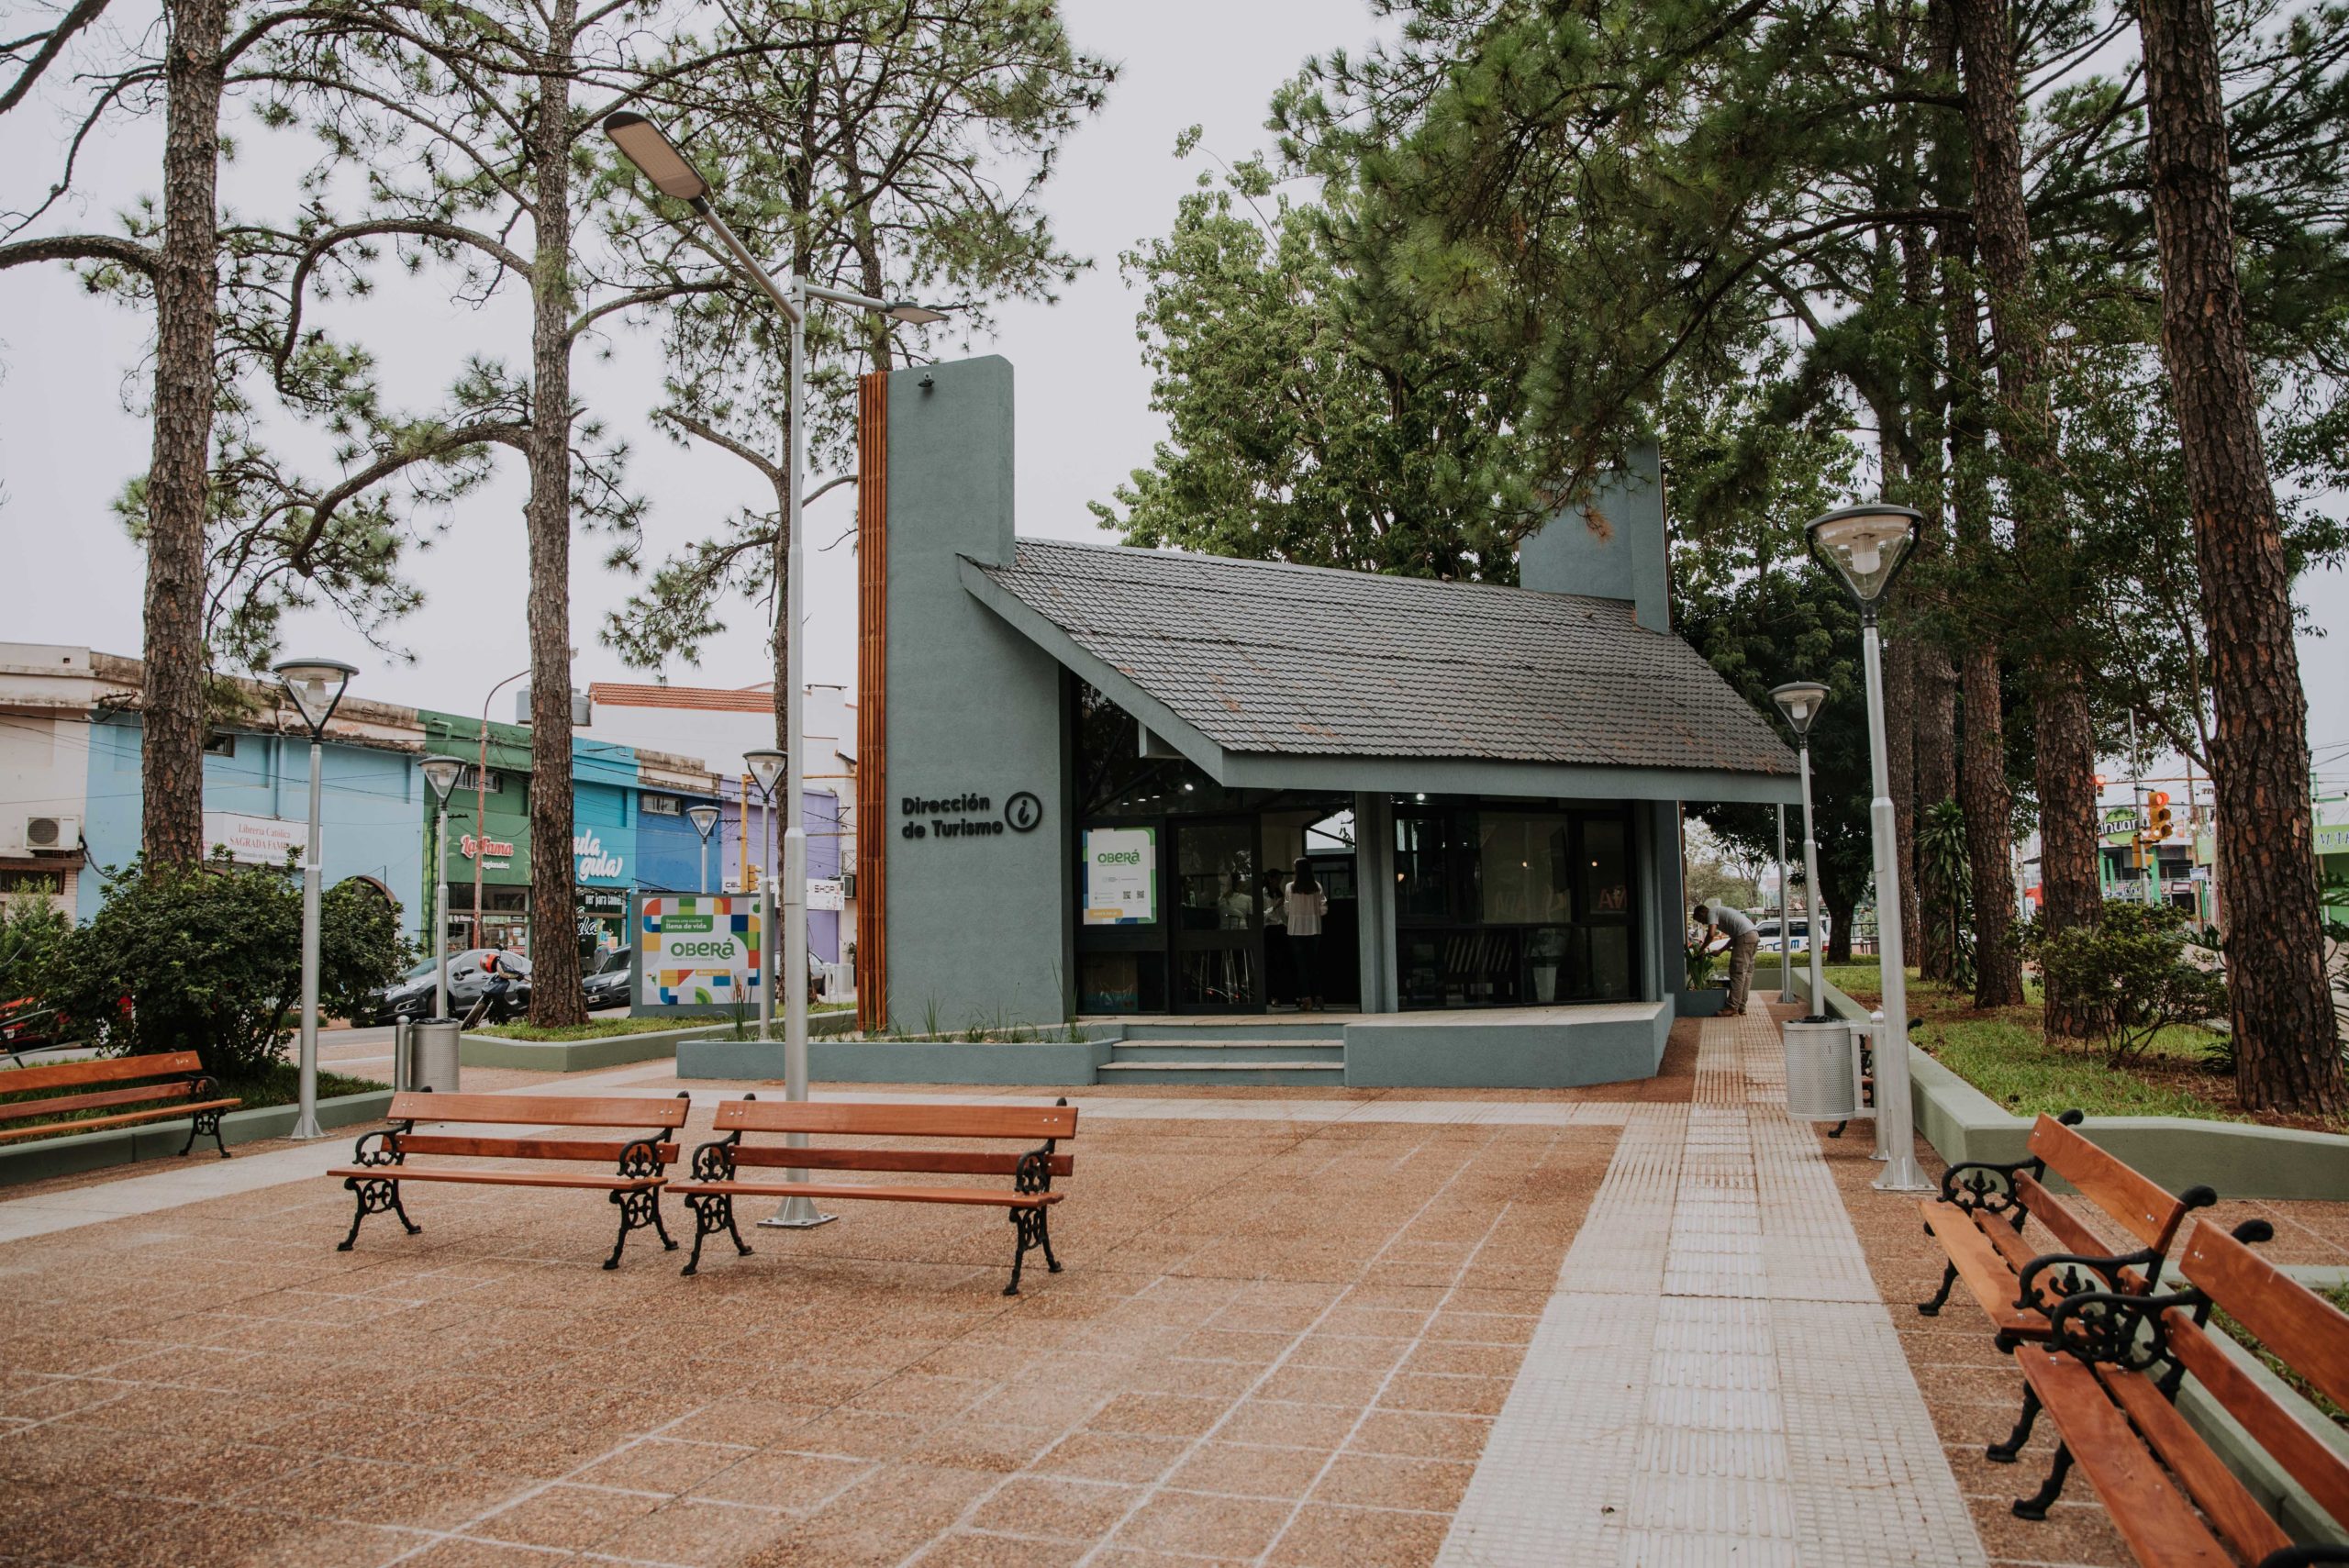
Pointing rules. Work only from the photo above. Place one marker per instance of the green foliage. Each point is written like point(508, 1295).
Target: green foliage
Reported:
point(1945, 877)
point(2133, 962)
point(1702, 960)
point(31, 928)
point(1306, 424)
point(209, 959)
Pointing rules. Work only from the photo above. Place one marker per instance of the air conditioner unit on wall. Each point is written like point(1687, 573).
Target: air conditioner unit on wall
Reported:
point(51, 836)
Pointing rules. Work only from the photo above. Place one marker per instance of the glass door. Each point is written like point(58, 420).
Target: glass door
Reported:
point(1219, 917)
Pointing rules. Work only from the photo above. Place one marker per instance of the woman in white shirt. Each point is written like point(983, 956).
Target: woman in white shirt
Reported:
point(1305, 906)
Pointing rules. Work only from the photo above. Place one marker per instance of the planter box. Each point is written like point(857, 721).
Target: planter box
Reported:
point(1701, 1003)
point(160, 1140)
point(605, 1050)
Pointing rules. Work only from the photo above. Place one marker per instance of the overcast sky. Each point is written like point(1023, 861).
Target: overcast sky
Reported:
point(1084, 420)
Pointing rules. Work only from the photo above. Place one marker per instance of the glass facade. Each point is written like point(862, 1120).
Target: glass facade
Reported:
point(1181, 884)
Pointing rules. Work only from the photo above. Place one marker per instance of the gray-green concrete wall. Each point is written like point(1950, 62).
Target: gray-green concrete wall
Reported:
point(1374, 901)
point(1609, 547)
point(1664, 955)
point(977, 918)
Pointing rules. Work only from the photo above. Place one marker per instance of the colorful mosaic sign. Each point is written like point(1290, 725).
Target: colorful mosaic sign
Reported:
point(699, 950)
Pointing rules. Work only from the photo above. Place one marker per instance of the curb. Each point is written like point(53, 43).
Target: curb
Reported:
point(76, 1153)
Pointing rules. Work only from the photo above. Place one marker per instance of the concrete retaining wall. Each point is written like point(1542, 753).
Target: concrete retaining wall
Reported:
point(607, 1051)
point(2242, 1160)
point(79, 1151)
point(1048, 1064)
point(1405, 1052)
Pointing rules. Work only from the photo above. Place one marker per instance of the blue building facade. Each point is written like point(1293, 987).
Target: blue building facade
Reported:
point(256, 802)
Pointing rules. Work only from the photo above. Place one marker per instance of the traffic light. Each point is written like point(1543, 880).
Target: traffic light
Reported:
point(2157, 817)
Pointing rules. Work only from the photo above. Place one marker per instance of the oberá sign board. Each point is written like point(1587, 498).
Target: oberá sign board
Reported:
point(698, 952)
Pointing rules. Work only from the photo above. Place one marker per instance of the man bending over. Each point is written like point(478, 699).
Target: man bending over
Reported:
point(1745, 940)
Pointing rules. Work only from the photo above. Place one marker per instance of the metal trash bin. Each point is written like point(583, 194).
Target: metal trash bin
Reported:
point(431, 1060)
point(1820, 1082)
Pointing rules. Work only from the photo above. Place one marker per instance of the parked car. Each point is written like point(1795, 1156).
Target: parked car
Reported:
point(607, 984)
point(471, 972)
point(1797, 936)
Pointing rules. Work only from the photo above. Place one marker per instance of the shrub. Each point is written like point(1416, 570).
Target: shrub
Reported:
point(2131, 967)
point(1701, 961)
point(209, 959)
point(31, 929)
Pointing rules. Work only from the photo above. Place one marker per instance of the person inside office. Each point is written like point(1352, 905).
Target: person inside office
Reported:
point(1744, 941)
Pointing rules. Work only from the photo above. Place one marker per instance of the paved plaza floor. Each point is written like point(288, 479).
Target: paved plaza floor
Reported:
point(1643, 1325)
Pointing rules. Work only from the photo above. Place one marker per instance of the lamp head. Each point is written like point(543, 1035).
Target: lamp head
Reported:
point(1800, 702)
point(704, 817)
point(441, 773)
point(316, 686)
point(1867, 546)
point(766, 766)
point(911, 314)
point(648, 146)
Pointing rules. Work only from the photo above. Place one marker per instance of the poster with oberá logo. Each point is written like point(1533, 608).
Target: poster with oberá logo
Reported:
point(698, 952)
point(1120, 876)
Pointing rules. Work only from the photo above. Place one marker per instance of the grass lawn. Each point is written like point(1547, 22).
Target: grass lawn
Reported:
point(600, 1028)
point(2003, 1052)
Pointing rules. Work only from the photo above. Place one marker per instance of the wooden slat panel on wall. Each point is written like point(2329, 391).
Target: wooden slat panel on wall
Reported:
point(872, 700)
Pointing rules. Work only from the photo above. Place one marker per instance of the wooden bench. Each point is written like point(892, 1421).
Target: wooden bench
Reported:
point(193, 1093)
point(1978, 1220)
point(717, 1179)
point(380, 1163)
point(2110, 1372)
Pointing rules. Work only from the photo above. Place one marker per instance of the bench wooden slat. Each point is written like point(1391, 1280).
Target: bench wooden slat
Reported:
point(540, 1110)
point(2309, 1332)
point(2160, 1526)
point(2071, 1235)
point(942, 1161)
point(100, 1070)
point(917, 1120)
point(17, 1110)
point(492, 1178)
point(2150, 1213)
point(526, 1148)
point(1982, 1268)
point(96, 1123)
point(981, 1197)
point(2236, 1514)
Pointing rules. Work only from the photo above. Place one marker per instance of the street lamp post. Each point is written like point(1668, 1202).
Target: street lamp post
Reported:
point(1800, 702)
point(704, 818)
point(481, 804)
point(645, 145)
point(1867, 546)
point(1786, 918)
point(316, 686)
point(767, 767)
point(440, 772)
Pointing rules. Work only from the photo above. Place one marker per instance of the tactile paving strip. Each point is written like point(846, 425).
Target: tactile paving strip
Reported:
point(1715, 1380)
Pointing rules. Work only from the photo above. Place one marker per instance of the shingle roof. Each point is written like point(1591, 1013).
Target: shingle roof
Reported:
point(1265, 657)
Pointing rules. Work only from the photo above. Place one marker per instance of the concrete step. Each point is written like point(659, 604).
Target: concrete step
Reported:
point(1325, 1074)
point(1254, 1028)
point(1224, 1052)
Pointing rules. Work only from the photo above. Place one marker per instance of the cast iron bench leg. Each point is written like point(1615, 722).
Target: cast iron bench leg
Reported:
point(201, 1124)
point(2036, 1506)
point(639, 1207)
point(1941, 1297)
point(2009, 1450)
point(712, 1213)
point(374, 1196)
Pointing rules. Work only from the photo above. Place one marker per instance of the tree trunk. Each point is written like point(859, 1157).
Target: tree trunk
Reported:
point(1839, 923)
point(2287, 1052)
point(2065, 745)
point(1989, 805)
point(1935, 747)
point(179, 472)
point(555, 997)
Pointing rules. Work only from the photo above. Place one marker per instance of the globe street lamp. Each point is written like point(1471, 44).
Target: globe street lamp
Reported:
point(316, 687)
point(1800, 702)
point(645, 145)
point(1867, 546)
point(440, 772)
point(704, 818)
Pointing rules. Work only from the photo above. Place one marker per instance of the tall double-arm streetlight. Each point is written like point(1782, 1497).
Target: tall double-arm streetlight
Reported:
point(316, 686)
point(1867, 546)
point(644, 144)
